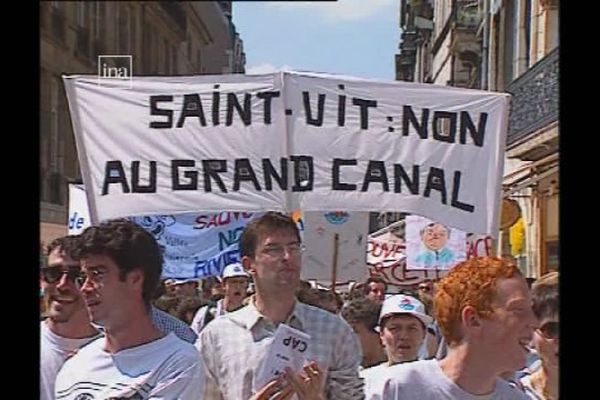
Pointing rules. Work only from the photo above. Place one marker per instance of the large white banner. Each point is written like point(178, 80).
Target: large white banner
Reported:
point(319, 237)
point(289, 140)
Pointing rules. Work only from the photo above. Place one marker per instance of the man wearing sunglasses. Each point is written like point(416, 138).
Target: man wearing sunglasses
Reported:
point(121, 265)
point(543, 383)
point(67, 326)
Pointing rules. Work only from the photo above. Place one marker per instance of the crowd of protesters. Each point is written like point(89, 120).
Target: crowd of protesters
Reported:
point(112, 329)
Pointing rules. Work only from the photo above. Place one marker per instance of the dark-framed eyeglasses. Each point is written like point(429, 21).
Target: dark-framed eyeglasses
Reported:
point(549, 330)
point(278, 251)
point(54, 274)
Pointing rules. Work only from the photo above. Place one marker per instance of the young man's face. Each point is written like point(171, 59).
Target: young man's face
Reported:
point(505, 335)
point(402, 335)
point(546, 340)
point(376, 292)
point(107, 298)
point(235, 289)
point(435, 237)
point(275, 266)
point(61, 293)
point(426, 289)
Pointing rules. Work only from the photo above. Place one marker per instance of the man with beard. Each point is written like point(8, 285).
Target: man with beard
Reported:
point(121, 264)
point(235, 345)
point(483, 307)
point(235, 284)
point(67, 326)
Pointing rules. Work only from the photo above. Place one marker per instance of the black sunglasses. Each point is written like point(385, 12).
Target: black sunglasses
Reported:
point(55, 274)
point(550, 330)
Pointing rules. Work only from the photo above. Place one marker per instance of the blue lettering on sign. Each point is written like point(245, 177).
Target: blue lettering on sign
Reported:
point(214, 266)
point(75, 222)
point(233, 237)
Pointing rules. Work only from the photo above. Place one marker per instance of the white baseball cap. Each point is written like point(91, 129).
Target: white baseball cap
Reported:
point(403, 304)
point(182, 281)
point(233, 270)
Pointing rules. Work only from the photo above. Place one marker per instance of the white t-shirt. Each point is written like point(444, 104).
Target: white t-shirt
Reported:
point(54, 350)
point(167, 368)
point(425, 380)
point(372, 376)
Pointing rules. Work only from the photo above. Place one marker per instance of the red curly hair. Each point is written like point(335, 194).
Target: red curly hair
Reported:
point(470, 283)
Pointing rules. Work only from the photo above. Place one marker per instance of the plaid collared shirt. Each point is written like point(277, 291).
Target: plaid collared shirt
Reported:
point(166, 323)
point(234, 346)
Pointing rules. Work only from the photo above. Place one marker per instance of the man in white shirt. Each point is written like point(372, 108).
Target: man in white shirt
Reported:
point(67, 326)
point(121, 265)
point(235, 345)
point(483, 307)
point(235, 284)
point(402, 330)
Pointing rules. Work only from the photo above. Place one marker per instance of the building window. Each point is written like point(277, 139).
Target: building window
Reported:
point(552, 256)
point(527, 31)
point(174, 60)
point(123, 35)
point(510, 40)
point(82, 14)
point(167, 56)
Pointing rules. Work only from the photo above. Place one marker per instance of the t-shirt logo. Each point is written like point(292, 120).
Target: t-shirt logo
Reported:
point(406, 305)
point(84, 396)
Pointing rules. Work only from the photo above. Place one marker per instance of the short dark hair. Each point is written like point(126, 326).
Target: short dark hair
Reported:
point(545, 296)
point(67, 244)
point(362, 310)
point(188, 304)
point(129, 246)
point(376, 279)
point(268, 222)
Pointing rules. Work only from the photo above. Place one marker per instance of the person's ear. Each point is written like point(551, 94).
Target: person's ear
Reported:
point(470, 319)
point(248, 265)
point(136, 278)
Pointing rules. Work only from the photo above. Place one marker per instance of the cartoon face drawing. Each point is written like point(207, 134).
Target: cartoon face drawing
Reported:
point(155, 224)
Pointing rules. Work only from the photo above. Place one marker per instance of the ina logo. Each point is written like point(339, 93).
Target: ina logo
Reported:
point(337, 217)
point(114, 68)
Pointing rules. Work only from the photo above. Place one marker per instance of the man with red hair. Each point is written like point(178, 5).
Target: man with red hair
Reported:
point(483, 307)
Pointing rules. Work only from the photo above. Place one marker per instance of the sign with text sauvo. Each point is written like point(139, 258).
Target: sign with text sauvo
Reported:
point(287, 141)
point(194, 245)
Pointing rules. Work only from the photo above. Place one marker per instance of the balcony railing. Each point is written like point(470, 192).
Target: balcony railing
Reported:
point(535, 99)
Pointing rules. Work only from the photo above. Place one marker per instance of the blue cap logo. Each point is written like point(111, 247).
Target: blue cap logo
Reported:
point(406, 305)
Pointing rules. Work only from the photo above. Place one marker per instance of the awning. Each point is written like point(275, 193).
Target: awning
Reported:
point(530, 174)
